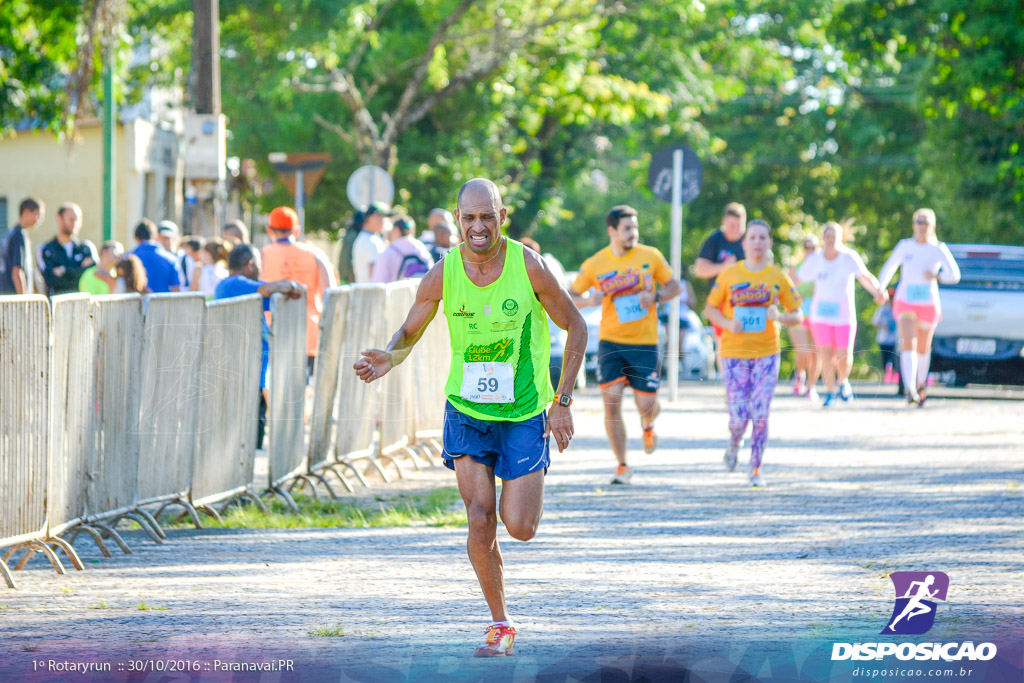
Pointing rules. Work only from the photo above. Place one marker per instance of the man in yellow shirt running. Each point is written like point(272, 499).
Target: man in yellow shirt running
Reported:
point(622, 277)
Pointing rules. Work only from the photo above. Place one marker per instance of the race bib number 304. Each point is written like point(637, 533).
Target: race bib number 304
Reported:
point(629, 309)
point(488, 382)
point(755, 318)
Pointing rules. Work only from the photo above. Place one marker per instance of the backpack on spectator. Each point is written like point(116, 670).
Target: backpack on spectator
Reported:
point(413, 265)
point(345, 268)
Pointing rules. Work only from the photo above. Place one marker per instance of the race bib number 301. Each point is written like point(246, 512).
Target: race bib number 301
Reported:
point(629, 309)
point(488, 382)
point(755, 318)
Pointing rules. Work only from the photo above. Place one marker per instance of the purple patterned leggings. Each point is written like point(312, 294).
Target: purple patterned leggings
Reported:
point(749, 385)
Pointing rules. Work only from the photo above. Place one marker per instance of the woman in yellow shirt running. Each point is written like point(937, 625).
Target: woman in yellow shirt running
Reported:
point(744, 302)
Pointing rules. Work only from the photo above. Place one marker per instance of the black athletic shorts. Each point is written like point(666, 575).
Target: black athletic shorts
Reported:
point(636, 364)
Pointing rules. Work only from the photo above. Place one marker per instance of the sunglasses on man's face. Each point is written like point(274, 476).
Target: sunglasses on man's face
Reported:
point(921, 221)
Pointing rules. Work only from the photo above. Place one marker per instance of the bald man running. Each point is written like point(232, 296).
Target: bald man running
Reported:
point(497, 296)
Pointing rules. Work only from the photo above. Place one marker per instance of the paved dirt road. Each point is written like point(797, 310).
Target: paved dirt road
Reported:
point(687, 557)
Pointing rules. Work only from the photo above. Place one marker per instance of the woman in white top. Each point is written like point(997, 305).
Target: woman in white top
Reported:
point(214, 256)
point(923, 262)
point(833, 313)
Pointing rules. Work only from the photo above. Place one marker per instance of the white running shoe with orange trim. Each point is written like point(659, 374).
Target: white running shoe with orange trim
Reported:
point(623, 474)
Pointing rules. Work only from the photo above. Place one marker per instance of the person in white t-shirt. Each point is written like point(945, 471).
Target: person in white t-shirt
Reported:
point(369, 245)
point(833, 313)
point(923, 262)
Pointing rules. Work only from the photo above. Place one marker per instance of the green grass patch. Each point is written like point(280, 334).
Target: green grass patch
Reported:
point(326, 631)
point(436, 508)
point(143, 606)
point(5, 606)
point(102, 604)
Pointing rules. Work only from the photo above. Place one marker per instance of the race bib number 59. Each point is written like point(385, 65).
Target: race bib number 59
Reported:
point(488, 382)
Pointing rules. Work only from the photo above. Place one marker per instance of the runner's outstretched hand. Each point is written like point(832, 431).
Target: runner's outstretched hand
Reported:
point(559, 425)
point(373, 365)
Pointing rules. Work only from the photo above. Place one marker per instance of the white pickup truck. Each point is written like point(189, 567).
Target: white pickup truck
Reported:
point(981, 335)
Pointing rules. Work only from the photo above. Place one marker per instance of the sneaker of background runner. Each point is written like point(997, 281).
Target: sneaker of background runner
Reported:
point(756, 480)
point(846, 391)
point(650, 440)
point(830, 399)
point(912, 398)
point(812, 394)
point(498, 642)
point(921, 397)
point(731, 454)
point(798, 387)
point(623, 475)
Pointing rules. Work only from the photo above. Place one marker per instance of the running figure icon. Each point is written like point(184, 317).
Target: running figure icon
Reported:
point(916, 607)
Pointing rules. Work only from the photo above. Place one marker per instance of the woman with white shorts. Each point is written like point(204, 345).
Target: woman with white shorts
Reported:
point(923, 262)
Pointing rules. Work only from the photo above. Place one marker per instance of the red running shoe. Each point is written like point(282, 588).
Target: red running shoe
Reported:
point(498, 642)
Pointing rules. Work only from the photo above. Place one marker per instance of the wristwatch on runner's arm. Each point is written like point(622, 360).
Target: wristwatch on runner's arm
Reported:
point(563, 399)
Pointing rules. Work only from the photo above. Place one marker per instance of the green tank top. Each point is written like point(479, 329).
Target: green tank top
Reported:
point(501, 345)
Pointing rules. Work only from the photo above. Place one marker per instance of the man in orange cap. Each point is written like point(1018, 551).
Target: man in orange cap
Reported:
point(285, 258)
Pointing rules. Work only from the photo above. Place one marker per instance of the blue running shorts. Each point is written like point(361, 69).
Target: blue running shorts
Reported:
point(513, 449)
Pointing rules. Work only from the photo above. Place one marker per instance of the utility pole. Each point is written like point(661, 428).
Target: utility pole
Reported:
point(206, 55)
point(205, 143)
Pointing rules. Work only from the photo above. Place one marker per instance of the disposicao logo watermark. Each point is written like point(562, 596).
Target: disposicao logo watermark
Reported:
point(916, 596)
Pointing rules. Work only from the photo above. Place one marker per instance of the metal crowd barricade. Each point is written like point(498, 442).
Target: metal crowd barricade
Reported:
point(398, 390)
point(357, 401)
point(430, 360)
point(172, 351)
point(286, 455)
point(114, 461)
point(329, 364)
point(72, 375)
point(24, 429)
point(229, 397)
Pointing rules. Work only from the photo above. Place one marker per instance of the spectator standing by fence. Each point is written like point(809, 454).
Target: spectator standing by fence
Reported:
point(213, 256)
point(66, 257)
point(160, 265)
point(442, 233)
point(235, 232)
point(436, 217)
point(102, 278)
point(369, 242)
point(16, 249)
point(131, 276)
point(405, 257)
point(285, 258)
point(244, 278)
point(192, 261)
point(168, 236)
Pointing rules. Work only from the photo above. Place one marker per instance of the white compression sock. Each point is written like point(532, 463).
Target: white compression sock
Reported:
point(923, 361)
point(908, 367)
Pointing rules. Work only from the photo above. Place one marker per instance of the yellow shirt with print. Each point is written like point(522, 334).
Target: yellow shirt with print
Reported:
point(735, 287)
point(621, 279)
